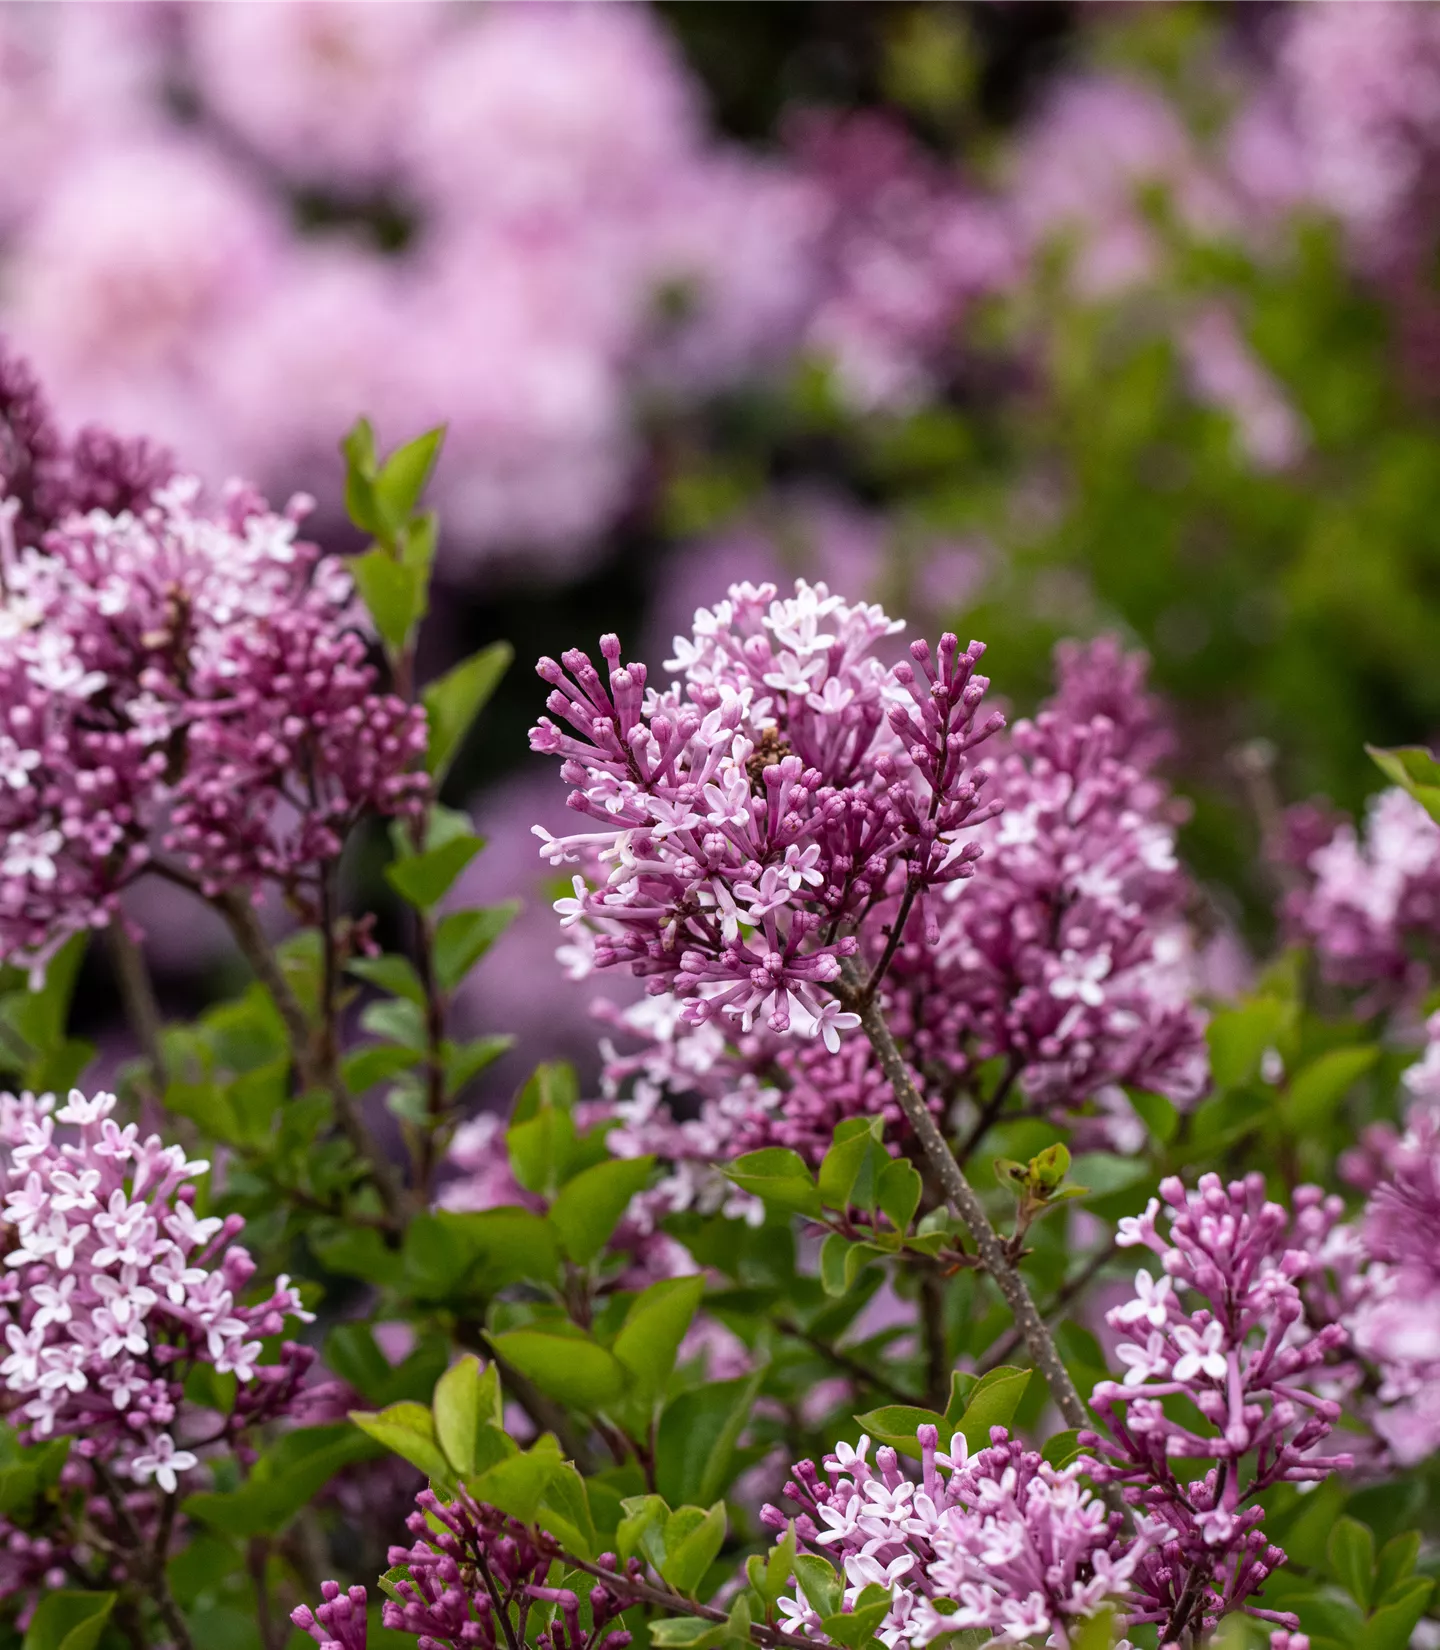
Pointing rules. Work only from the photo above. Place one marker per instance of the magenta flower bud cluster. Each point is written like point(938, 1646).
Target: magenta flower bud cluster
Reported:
point(1370, 902)
point(469, 1566)
point(998, 1540)
point(114, 1290)
point(1223, 1324)
point(184, 681)
point(750, 816)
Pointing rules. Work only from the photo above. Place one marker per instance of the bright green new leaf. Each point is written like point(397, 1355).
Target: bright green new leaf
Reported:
point(69, 1620)
point(393, 593)
point(653, 1329)
point(1062, 1449)
point(588, 1208)
point(693, 1539)
point(518, 1484)
point(819, 1583)
point(642, 1528)
point(409, 1430)
point(900, 1187)
point(1351, 1556)
point(391, 973)
point(687, 1633)
point(897, 1424)
point(1395, 1563)
point(992, 1403)
point(1391, 1625)
point(468, 1417)
point(574, 1369)
point(779, 1178)
point(1318, 1088)
point(565, 1512)
point(402, 478)
point(1415, 770)
point(424, 879)
point(463, 937)
point(850, 1171)
point(698, 1433)
point(454, 701)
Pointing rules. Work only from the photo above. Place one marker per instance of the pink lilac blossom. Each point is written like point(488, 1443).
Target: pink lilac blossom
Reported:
point(998, 1540)
point(1362, 86)
point(188, 681)
point(1397, 1324)
point(1371, 902)
point(115, 1288)
point(1066, 956)
point(789, 788)
point(906, 250)
point(1224, 1325)
point(325, 92)
point(1081, 171)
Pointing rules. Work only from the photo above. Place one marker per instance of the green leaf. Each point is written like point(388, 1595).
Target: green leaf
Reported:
point(695, 1444)
point(540, 1149)
point(1318, 1088)
point(588, 1208)
point(518, 1484)
point(653, 1329)
point(642, 1528)
point(574, 1369)
point(993, 1402)
point(856, 1627)
point(819, 1583)
point(468, 1415)
point(897, 1424)
point(1391, 1626)
point(397, 1021)
point(693, 1539)
point(1062, 1449)
point(962, 1384)
point(393, 593)
point(552, 1084)
point(1413, 769)
point(1239, 1036)
point(409, 1430)
point(403, 477)
point(424, 879)
point(1351, 1556)
point(352, 1353)
point(465, 1061)
point(358, 447)
point(850, 1170)
point(900, 1186)
point(357, 1252)
point(1396, 1561)
point(454, 701)
point(779, 1178)
point(393, 974)
point(565, 1512)
point(376, 1063)
point(69, 1620)
point(779, 1567)
point(687, 1633)
point(841, 1262)
point(463, 937)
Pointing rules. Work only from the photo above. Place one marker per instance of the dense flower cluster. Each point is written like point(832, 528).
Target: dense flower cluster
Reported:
point(1397, 1321)
point(1369, 904)
point(469, 1567)
point(1065, 955)
point(998, 1540)
point(115, 1290)
point(752, 821)
point(183, 678)
point(1248, 1360)
point(531, 186)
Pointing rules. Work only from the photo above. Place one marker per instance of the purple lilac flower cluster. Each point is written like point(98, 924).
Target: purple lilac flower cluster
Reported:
point(184, 679)
point(1065, 955)
point(115, 1289)
point(1223, 1325)
point(1396, 1324)
point(751, 822)
point(1369, 904)
point(471, 1579)
point(998, 1540)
